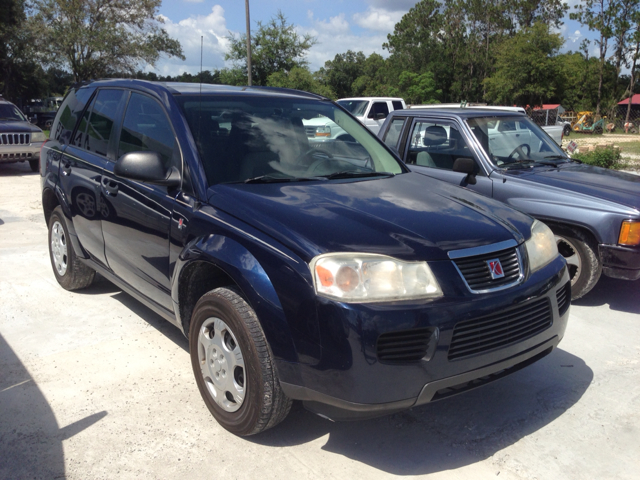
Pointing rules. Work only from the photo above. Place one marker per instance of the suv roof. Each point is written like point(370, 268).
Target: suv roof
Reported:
point(178, 88)
point(456, 111)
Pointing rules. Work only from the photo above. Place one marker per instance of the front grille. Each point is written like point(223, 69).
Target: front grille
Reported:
point(15, 138)
point(500, 329)
point(310, 131)
point(403, 346)
point(563, 295)
point(476, 272)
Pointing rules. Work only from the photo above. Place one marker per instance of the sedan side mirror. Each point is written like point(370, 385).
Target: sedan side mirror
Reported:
point(468, 166)
point(146, 167)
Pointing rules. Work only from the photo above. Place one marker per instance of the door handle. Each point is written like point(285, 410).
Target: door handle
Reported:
point(66, 169)
point(110, 188)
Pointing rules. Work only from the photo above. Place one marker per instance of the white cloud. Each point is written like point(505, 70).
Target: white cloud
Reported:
point(378, 19)
point(575, 36)
point(335, 36)
point(194, 1)
point(212, 28)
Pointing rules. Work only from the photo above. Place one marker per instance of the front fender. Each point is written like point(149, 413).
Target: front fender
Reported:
point(245, 270)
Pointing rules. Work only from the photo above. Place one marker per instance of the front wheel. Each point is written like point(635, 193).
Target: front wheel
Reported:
point(582, 260)
point(233, 364)
point(70, 272)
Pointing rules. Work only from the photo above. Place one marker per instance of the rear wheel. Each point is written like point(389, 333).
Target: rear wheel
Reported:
point(566, 131)
point(582, 259)
point(70, 272)
point(233, 364)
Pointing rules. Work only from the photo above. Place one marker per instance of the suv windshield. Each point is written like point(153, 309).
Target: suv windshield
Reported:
point(513, 141)
point(263, 139)
point(355, 107)
point(11, 112)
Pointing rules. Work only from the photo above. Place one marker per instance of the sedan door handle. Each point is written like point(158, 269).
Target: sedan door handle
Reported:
point(110, 188)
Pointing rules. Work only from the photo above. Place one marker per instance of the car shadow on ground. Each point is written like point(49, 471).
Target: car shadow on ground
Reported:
point(620, 295)
point(101, 286)
point(451, 433)
point(30, 438)
point(16, 169)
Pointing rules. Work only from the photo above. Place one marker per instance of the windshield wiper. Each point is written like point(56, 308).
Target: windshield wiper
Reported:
point(354, 174)
point(274, 179)
point(527, 163)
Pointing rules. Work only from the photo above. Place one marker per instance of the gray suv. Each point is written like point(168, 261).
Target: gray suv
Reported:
point(19, 140)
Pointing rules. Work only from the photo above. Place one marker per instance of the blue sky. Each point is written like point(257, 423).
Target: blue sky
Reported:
point(339, 25)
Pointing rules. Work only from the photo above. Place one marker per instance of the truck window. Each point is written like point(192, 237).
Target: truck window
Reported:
point(397, 105)
point(436, 145)
point(69, 114)
point(393, 134)
point(378, 107)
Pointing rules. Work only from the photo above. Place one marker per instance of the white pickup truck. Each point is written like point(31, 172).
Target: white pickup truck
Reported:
point(556, 132)
point(372, 111)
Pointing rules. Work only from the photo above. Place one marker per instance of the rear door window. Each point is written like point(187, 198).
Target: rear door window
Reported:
point(96, 125)
point(397, 105)
point(379, 107)
point(393, 134)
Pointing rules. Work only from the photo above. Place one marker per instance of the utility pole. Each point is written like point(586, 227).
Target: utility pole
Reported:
point(246, 4)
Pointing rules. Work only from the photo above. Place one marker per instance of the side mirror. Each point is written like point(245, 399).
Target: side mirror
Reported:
point(380, 116)
point(468, 166)
point(146, 167)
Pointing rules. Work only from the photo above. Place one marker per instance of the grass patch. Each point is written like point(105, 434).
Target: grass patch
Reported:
point(608, 157)
point(46, 132)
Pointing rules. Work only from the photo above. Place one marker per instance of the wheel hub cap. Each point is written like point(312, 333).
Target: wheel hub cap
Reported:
point(570, 253)
point(221, 364)
point(59, 248)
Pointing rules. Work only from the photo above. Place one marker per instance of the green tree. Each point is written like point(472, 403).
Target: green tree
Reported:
point(418, 88)
point(275, 47)
point(93, 38)
point(342, 71)
point(526, 70)
point(299, 78)
point(598, 15)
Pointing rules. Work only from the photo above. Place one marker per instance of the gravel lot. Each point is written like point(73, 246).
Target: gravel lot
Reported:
point(95, 385)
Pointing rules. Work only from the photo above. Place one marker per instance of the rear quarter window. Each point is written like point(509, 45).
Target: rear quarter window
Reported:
point(69, 114)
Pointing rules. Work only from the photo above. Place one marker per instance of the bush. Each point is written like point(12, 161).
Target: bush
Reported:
point(608, 157)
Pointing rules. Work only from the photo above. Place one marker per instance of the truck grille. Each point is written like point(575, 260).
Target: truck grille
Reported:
point(497, 330)
point(15, 138)
point(310, 131)
point(563, 295)
point(476, 273)
point(403, 346)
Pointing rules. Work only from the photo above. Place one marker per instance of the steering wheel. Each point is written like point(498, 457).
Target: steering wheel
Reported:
point(520, 151)
point(312, 153)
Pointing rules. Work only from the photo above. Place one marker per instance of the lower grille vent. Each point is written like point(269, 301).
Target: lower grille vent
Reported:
point(563, 295)
point(403, 346)
point(500, 329)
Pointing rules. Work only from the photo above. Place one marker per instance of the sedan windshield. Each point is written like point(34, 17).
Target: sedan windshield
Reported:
point(260, 139)
point(11, 112)
point(515, 141)
point(355, 107)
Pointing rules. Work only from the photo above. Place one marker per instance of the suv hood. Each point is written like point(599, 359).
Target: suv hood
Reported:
point(620, 187)
point(17, 127)
point(409, 216)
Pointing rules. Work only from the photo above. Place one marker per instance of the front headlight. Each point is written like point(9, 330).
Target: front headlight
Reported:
point(38, 137)
point(541, 247)
point(323, 131)
point(364, 277)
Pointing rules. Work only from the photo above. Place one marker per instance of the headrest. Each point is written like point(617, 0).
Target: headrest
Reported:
point(434, 135)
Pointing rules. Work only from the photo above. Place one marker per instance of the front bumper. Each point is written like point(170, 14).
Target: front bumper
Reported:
point(620, 262)
point(352, 382)
point(20, 153)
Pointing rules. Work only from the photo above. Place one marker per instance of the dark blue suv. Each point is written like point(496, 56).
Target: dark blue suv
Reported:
point(325, 272)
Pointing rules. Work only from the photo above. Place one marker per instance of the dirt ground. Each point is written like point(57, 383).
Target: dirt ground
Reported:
point(94, 385)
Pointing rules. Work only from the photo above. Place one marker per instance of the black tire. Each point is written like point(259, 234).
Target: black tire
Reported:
point(585, 275)
point(76, 275)
point(264, 404)
point(34, 164)
point(567, 130)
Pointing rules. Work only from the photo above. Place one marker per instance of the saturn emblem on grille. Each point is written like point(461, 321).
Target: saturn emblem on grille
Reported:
point(495, 267)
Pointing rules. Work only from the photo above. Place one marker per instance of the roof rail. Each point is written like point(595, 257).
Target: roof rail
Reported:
point(289, 90)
